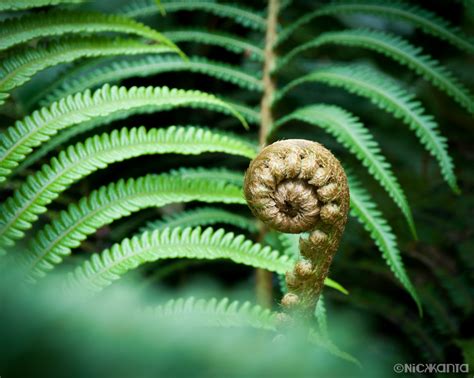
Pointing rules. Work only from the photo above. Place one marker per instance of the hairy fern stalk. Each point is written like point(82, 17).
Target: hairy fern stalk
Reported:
point(69, 109)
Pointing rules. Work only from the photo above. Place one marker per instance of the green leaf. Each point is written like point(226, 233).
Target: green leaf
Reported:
point(211, 174)
point(114, 201)
point(19, 140)
point(401, 51)
point(365, 210)
point(104, 268)
point(20, 210)
point(217, 313)
point(226, 41)
point(9, 5)
point(322, 337)
point(350, 132)
point(203, 216)
point(118, 70)
point(243, 16)
point(22, 64)
point(425, 20)
point(385, 93)
point(58, 22)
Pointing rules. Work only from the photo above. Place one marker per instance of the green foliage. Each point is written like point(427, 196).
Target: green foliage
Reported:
point(22, 209)
point(118, 70)
point(58, 106)
point(46, 24)
point(24, 63)
point(202, 216)
point(104, 268)
point(232, 177)
point(349, 131)
point(217, 313)
point(226, 41)
point(398, 10)
point(8, 5)
point(385, 93)
point(399, 50)
point(366, 211)
point(322, 338)
point(243, 16)
point(19, 140)
point(114, 201)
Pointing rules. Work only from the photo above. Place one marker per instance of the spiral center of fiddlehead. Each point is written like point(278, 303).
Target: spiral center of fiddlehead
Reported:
point(297, 186)
point(297, 205)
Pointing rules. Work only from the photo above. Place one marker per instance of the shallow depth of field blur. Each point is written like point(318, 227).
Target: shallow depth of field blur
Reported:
point(52, 329)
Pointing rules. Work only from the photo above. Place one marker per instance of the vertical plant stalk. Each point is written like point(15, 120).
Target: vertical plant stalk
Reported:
point(298, 186)
point(264, 277)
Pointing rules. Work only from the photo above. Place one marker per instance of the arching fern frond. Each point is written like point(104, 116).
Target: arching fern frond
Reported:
point(22, 209)
point(226, 41)
point(365, 210)
point(24, 63)
point(249, 114)
point(214, 313)
point(54, 23)
point(104, 268)
point(321, 336)
point(220, 174)
point(118, 70)
point(243, 16)
point(425, 20)
point(349, 131)
point(10, 5)
point(203, 216)
point(385, 93)
point(19, 140)
point(400, 50)
point(114, 201)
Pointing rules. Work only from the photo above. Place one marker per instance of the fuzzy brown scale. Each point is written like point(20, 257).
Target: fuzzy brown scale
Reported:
point(297, 186)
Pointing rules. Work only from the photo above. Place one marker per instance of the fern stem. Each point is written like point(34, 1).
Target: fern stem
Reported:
point(269, 84)
point(264, 278)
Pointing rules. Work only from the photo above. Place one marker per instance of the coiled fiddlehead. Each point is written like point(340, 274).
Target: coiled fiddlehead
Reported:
point(298, 186)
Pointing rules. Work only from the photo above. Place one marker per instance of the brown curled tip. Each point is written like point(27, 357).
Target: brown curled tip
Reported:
point(297, 186)
point(294, 184)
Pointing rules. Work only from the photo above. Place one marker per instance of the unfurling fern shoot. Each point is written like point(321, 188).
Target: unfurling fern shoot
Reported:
point(298, 186)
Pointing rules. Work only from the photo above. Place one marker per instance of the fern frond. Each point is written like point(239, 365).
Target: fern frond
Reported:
point(243, 16)
point(249, 114)
point(226, 41)
point(290, 244)
point(104, 268)
point(214, 313)
point(12, 5)
point(114, 201)
point(401, 51)
point(19, 140)
point(203, 216)
point(365, 210)
point(58, 22)
point(322, 338)
point(118, 70)
point(350, 132)
point(210, 174)
point(425, 20)
point(388, 95)
point(22, 209)
point(24, 63)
